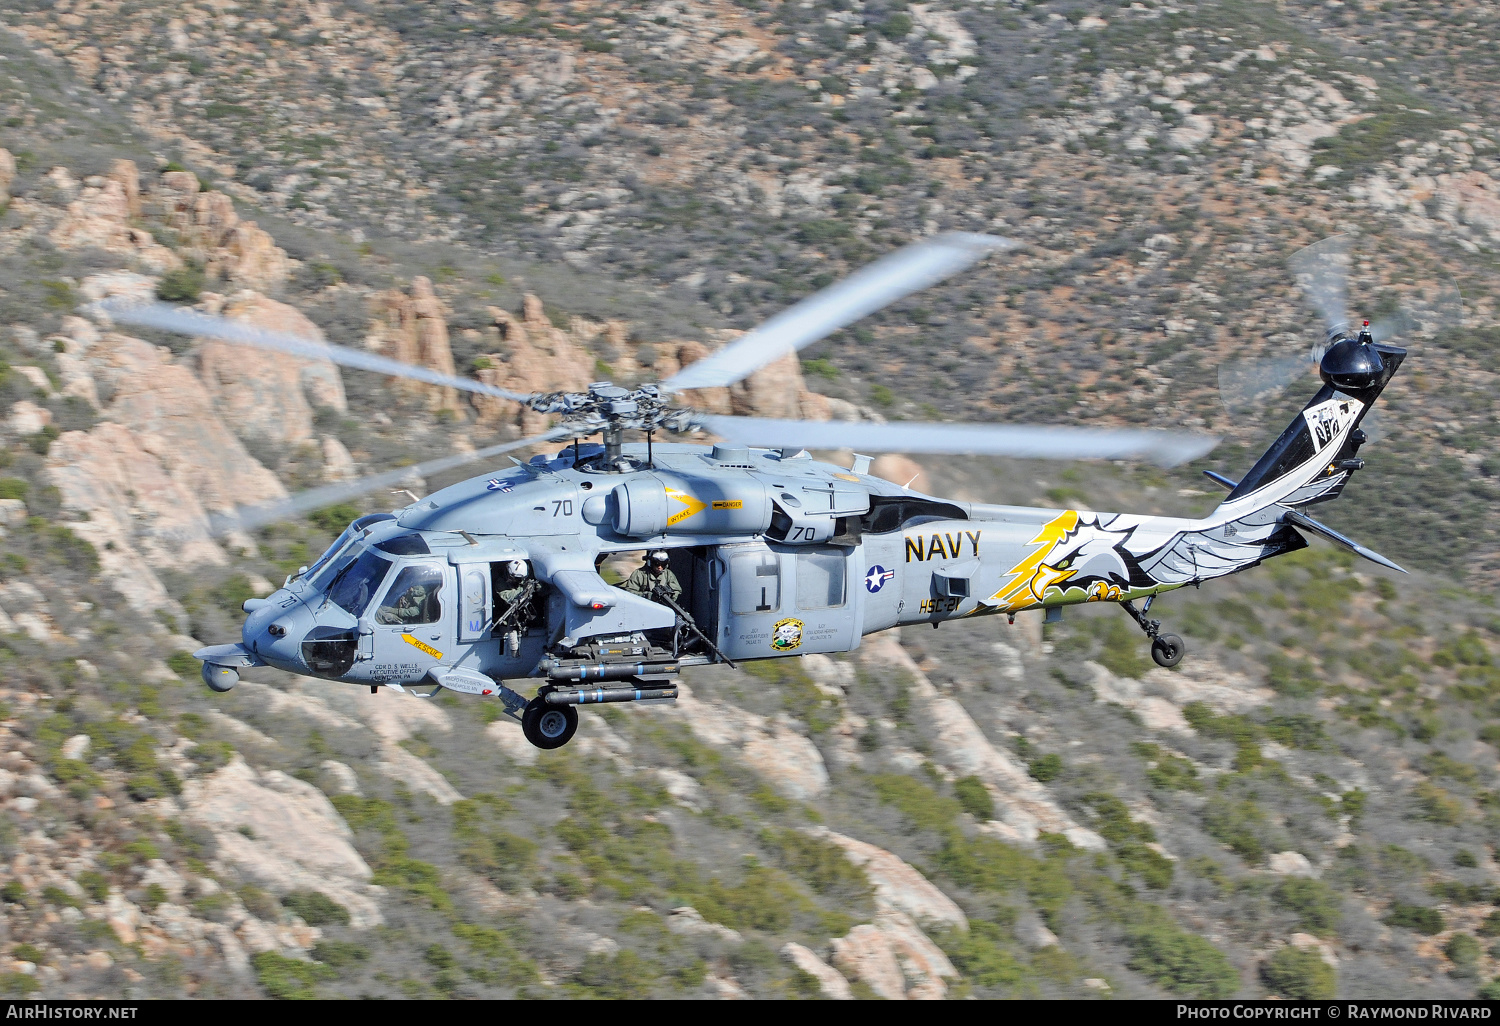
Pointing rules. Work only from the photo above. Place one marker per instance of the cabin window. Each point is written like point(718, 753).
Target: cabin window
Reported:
point(754, 582)
point(820, 579)
point(416, 597)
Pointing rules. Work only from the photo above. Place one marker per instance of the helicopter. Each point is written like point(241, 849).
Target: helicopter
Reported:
point(496, 580)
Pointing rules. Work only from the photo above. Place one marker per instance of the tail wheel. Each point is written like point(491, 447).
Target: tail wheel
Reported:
point(1167, 650)
point(548, 726)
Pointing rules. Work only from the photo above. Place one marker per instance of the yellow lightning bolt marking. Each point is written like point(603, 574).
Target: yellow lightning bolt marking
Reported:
point(1017, 592)
point(692, 505)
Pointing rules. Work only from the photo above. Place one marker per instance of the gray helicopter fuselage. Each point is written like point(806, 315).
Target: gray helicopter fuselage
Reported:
point(779, 554)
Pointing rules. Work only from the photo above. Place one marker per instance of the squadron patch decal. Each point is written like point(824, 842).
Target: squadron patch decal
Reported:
point(787, 634)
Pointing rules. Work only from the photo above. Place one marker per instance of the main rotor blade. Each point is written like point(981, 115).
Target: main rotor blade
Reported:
point(1322, 271)
point(909, 269)
point(248, 518)
point(1168, 448)
point(195, 322)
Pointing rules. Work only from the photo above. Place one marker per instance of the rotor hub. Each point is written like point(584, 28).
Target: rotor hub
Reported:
point(609, 408)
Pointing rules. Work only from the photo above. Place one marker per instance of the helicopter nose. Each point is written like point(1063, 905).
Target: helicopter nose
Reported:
point(274, 631)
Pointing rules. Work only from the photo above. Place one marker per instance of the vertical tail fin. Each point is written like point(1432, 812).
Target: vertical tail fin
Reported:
point(1314, 457)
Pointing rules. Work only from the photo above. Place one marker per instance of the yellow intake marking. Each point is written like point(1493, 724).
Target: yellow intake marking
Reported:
point(424, 647)
point(693, 506)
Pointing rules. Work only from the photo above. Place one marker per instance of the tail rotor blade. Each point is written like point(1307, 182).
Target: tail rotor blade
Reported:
point(249, 518)
point(1167, 448)
point(1247, 383)
point(1444, 313)
point(1322, 271)
point(195, 322)
point(888, 279)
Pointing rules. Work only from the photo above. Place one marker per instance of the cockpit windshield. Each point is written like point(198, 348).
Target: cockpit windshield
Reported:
point(352, 587)
point(330, 556)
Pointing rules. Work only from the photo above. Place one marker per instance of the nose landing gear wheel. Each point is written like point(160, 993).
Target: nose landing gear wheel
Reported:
point(548, 726)
point(1167, 650)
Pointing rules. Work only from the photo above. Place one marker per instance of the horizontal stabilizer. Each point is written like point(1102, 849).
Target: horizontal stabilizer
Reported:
point(1306, 522)
point(1220, 479)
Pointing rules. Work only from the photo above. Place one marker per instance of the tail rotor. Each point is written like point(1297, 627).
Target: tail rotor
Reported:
point(1322, 272)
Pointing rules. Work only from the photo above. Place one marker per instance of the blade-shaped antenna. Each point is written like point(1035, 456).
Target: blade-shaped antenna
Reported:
point(909, 269)
point(1322, 271)
point(195, 322)
point(1167, 448)
point(250, 517)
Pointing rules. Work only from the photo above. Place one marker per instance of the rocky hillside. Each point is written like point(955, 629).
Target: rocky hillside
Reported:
point(540, 195)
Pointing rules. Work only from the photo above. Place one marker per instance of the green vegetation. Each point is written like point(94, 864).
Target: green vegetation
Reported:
point(183, 285)
point(1237, 824)
point(290, 979)
point(1300, 974)
point(1317, 906)
point(975, 798)
point(1130, 840)
point(316, 908)
point(1045, 768)
point(1415, 917)
point(1463, 951)
point(1165, 770)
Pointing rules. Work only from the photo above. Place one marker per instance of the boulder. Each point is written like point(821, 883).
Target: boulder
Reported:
point(789, 761)
point(1026, 808)
point(213, 234)
point(166, 406)
point(1290, 863)
point(268, 397)
point(27, 418)
point(413, 329)
point(283, 835)
point(101, 218)
point(7, 173)
point(867, 956)
point(138, 516)
point(898, 886)
point(537, 357)
point(830, 980)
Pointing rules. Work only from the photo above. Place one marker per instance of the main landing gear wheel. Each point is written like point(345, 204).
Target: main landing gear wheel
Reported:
point(548, 726)
point(1167, 650)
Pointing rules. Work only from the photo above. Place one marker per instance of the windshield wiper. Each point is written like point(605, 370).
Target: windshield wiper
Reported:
point(328, 592)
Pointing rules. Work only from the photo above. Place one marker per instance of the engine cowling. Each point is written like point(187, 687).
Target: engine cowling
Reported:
point(652, 504)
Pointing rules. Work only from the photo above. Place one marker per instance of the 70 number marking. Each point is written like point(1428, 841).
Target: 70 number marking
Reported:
point(562, 507)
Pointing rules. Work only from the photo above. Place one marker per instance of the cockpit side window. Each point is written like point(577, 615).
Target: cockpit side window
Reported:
point(416, 597)
point(352, 588)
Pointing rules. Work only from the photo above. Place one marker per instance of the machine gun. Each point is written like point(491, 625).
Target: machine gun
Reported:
point(660, 594)
point(513, 611)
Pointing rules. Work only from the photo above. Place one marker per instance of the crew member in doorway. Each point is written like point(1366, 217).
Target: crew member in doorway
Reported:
point(514, 600)
point(654, 575)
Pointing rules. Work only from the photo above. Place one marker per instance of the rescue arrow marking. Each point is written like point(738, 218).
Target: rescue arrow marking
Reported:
point(424, 647)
